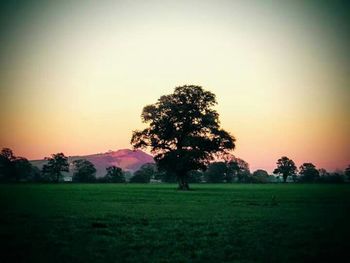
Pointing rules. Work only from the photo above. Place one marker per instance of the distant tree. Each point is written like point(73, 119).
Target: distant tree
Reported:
point(331, 178)
point(285, 167)
point(84, 171)
point(238, 168)
point(347, 172)
point(144, 174)
point(114, 175)
point(261, 173)
point(308, 172)
point(13, 168)
point(184, 132)
point(259, 176)
point(323, 172)
point(23, 169)
point(216, 172)
point(141, 176)
point(57, 164)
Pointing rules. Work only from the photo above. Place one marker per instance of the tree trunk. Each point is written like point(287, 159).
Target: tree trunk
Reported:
point(285, 176)
point(183, 184)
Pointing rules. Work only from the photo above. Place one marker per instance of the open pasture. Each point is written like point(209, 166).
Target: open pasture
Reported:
point(157, 223)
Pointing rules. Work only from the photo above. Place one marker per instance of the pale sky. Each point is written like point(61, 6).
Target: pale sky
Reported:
point(75, 75)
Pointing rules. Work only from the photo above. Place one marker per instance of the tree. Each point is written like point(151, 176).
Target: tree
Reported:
point(286, 167)
point(146, 172)
point(260, 176)
point(261, 173)
point(57, 164)
point(216, 172)
point(114, 175)
point(13, 168)
point(308, 172)
point(323, 172)
point(23, 169)
point(184, 132)
point(84, 171)
point(238, 168)
point(347, 172)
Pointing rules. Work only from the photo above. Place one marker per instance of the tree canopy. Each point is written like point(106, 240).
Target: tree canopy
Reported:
point(84, 171)
point(286, 167)
point(308, 172)
point(14, 168)
point(57, 164)
point(184, 131)
point(114, 175)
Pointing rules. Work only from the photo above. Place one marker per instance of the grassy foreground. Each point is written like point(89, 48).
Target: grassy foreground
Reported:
point(156, 223)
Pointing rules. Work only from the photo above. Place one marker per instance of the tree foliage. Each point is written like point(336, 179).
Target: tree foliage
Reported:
point(84, 171)
point(347, 172)
point(184, 132)
point(285, 167)
point(260, 176)
point(238, 168)
point(114, 175)
point(14, 168)
point(57, 164)
point(144, 174)
point(216, 172)
point(308, 172)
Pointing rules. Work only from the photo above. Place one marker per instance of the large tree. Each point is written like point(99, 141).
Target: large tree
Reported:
point(184, 132)
point(286, 167)
point(57, 164)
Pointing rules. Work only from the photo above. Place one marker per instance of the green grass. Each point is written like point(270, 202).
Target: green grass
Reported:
point(157, 223)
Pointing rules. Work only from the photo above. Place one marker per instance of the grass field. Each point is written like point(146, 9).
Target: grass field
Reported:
point(157, 223)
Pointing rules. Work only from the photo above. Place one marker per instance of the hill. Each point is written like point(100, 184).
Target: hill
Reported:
point(126, 159)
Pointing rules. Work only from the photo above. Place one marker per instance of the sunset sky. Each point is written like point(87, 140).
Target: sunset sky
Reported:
point(75, 75)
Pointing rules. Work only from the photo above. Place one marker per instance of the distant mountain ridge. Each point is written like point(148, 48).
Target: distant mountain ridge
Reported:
point(128, 160)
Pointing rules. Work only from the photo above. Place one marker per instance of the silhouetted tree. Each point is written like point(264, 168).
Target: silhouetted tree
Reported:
point(13, 168)
point(238, 168)
point(114, 175)
point(331, 178)
point(216, 172)
point(57, 164)
point(308, 172)
point(184, 132)
point(347, 172)
point(286, 167)
point(144, 174)
point(23, 169)
point(84, 171)
point(323, 172)
point(261, 173)
point(260, 176)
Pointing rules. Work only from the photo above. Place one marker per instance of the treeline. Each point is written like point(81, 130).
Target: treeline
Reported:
point(234, 170)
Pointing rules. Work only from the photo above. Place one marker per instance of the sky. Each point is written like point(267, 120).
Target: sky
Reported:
point(75, 75)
